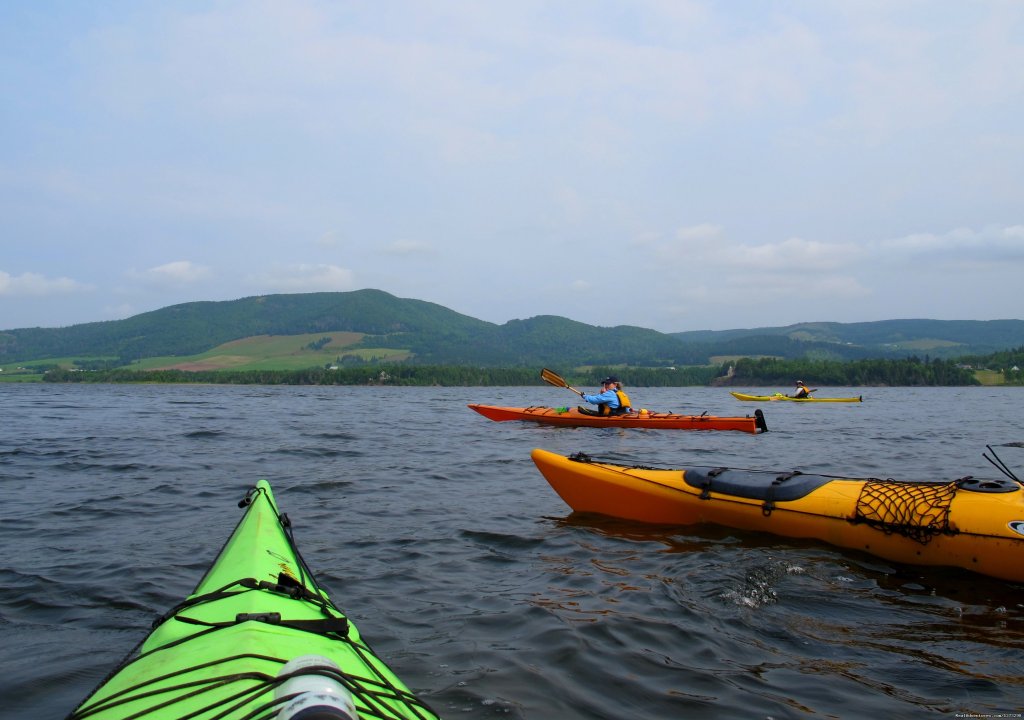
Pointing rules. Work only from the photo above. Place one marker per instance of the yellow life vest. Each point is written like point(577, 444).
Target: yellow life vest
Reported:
point(605, 409)
point(623, 400)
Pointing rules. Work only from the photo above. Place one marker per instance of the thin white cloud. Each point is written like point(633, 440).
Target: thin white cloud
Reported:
point(309, 278)
point(764, 299)
point(176, 273)
point(704, 231)
point(995, 245)
point(36, 285)
point(793, 256)
point(709, 247)
point(329, 239)
point(119, 311)
point(409, 247)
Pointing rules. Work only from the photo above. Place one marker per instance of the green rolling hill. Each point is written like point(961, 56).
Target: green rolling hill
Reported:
point(289, 330)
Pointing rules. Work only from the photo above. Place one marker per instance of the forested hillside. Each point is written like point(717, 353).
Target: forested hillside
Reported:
point(429, 334)
point(195, 327)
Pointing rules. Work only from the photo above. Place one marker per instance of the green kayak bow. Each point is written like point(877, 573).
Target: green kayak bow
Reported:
point(258, 639)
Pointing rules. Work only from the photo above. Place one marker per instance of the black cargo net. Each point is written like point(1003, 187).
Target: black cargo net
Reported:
point(918, 511)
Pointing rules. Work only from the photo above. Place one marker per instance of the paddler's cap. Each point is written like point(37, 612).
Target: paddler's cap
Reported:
point(609, 380)
point(799, 382)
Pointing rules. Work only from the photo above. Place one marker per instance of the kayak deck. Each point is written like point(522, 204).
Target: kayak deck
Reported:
point(218, 654)
point(651, 420)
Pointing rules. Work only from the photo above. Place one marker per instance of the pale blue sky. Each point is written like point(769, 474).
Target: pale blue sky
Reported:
point(672, 164)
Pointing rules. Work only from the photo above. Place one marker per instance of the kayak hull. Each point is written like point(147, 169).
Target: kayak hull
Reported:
point(216, 655)
point(981, 530)
point(786, 398)
point(652, 420)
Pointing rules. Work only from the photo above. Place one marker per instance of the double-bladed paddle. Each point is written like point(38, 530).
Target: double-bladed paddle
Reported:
point(555, 379)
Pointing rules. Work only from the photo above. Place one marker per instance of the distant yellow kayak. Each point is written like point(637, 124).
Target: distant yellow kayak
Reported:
point(968, 523)
point(780, 396)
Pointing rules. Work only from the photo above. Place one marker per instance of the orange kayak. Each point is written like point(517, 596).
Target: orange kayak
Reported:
point(968, 523)
point(652, 420)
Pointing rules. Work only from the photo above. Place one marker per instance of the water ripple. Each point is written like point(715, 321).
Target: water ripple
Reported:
point(431, 527)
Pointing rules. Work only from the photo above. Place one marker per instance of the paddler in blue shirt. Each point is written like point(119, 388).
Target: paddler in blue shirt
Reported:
point(607, 400)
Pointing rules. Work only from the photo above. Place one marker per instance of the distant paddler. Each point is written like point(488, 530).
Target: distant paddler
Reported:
point(802, 391)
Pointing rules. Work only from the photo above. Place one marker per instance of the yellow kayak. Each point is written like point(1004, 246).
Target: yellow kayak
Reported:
point(780, 396)
point(973, 524)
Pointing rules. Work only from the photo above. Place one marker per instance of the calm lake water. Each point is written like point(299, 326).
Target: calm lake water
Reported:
point(431, 527)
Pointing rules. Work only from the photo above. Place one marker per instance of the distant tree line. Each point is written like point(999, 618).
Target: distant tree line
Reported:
point(393, 374)
point(398, 375)
point(744, 372)
point(904, 372)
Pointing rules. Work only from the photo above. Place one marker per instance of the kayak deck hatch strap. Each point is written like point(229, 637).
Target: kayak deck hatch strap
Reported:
point(918, 511)
point(336, 626)
point(285, 585)
point(754, 484)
